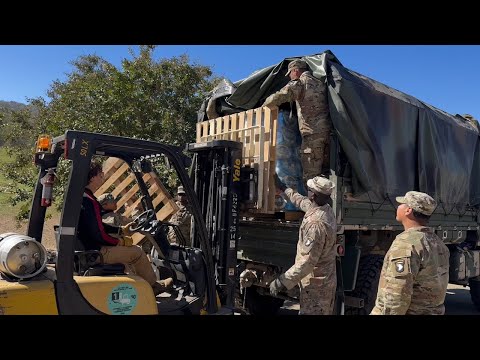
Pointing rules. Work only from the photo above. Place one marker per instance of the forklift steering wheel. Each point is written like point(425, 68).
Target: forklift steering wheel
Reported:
point(142, 219)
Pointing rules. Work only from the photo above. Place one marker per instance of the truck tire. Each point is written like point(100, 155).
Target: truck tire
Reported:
point(366, 287)
point(474, 284)
point(258, 304)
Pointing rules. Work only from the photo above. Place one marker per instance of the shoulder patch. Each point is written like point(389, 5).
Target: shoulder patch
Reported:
point(400, 262)
point(306, 245)
point(400, 267)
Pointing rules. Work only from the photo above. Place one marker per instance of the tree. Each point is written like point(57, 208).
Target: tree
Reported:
point(146, 98)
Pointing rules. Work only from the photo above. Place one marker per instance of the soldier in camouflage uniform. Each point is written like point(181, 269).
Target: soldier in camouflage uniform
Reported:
point(109, 216)
point(309, 93)
point(182, 218)
point(414, 276)
point(315, 262)
point(470, 119)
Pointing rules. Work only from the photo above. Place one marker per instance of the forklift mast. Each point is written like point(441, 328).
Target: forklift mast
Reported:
point(217, 183)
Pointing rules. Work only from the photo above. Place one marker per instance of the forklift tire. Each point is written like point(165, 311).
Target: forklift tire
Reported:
point(257, 304)
point(366, 287)
point(474, 284)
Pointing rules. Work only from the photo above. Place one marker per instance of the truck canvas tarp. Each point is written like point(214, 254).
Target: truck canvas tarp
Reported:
point(393, 141)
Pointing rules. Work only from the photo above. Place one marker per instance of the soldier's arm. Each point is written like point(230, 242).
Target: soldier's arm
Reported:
point(378, 308)
point(310, 251)
point(288, 93)
point(300, 201)
point(402, 268)
point(174, 219)
point(171, 236)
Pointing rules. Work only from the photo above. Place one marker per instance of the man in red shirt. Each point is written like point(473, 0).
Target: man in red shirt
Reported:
point(94, 235)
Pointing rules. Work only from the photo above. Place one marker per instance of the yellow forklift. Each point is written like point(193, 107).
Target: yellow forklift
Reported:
point(204, 267)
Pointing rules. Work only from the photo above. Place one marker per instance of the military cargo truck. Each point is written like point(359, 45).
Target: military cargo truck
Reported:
point(383, 144)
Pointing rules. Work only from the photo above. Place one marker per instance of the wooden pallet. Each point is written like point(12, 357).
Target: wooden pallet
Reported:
point(256, 129)
point(121, 182)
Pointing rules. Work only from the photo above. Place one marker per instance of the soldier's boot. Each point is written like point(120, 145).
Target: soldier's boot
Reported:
point(162, 286)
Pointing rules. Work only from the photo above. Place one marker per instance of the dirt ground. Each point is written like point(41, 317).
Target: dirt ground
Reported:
point(457, 302)
point(8, 224)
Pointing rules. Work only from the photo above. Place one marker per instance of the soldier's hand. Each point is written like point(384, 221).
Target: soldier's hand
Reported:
point(268, 102)
point(126, 228)
point(276, 286)
point(278, 183)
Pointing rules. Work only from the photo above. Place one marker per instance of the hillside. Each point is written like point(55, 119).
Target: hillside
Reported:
point(11, 105)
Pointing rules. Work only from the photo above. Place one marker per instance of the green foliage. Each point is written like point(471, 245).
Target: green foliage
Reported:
point(167, 175)
point(14, 122)
point(147, 98)
point(9, 196)
point(4, 196)
point(21, 177)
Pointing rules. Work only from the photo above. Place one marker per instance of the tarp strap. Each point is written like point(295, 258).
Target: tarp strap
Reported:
point(390, 201)
point(466, 209)
point(371, 204)
point(445, 210)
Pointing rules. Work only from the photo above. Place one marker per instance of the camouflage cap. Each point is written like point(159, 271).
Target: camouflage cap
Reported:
point(320, 185)
point(418, 201)
point(468, 116)
point(104, 198)
point(180, 190)
point(296, 64)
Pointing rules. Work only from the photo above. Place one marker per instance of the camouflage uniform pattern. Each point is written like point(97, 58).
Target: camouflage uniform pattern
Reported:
point(315, 261)
point(472, 121)
point(313, 118)
point(114, 219)
point(182, 218)
point(111, 217)
point(414, 276)
point(418, 201)
point(320, 185)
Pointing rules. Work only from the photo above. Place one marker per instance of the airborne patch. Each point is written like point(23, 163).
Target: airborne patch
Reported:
point(399, 262)
point(306, 246)
point(400, 266)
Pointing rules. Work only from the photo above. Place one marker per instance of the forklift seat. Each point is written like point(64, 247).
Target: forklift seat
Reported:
point(90, 262)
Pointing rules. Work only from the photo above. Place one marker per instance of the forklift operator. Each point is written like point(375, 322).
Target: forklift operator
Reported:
point(94, 235)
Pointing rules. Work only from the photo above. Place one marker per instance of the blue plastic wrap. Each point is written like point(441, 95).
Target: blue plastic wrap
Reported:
point(288, 164)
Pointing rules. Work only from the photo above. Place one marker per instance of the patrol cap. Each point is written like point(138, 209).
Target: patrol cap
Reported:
point(296, 64)
point(104, 198)
point(321, 185)
point(418, 201)
point(180, 190)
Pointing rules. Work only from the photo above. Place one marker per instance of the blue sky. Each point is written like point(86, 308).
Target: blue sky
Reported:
point(447, 77)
